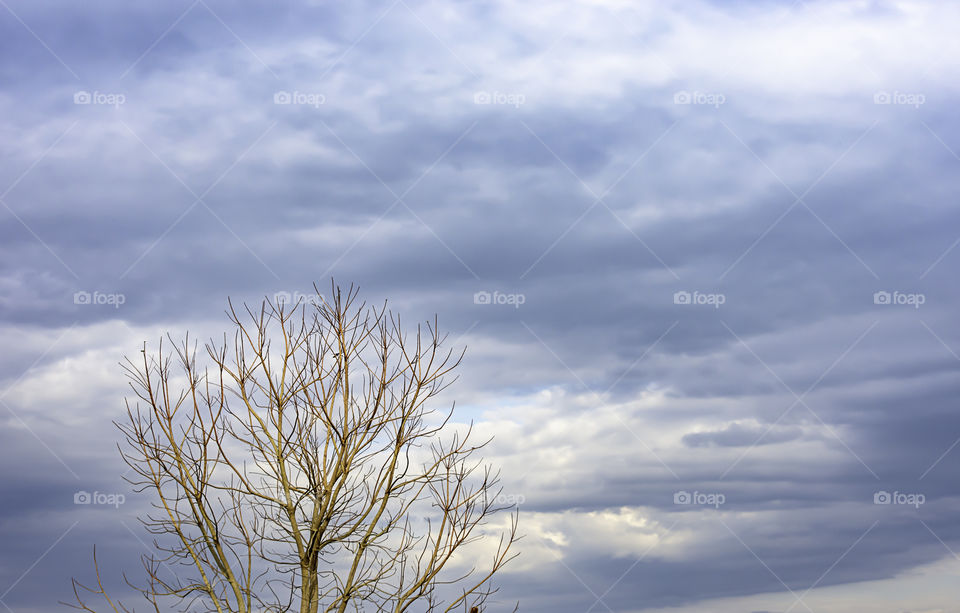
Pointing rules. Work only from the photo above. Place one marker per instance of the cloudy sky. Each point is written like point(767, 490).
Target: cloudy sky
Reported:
point(703, 256)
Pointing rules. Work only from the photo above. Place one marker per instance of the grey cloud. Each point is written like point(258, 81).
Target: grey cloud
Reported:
point(739, 435)
point(598, 315)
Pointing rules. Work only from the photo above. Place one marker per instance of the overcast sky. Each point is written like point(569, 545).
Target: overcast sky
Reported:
point(703, 256)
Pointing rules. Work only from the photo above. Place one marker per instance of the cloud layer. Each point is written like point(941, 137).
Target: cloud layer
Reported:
point(697, 251)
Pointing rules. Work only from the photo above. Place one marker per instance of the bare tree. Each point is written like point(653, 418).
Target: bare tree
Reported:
point(302, 469)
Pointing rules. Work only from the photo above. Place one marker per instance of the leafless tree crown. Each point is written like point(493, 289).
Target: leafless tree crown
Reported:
point(302, 469)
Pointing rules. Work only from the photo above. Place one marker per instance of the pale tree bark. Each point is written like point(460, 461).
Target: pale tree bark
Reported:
point(303, 468)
